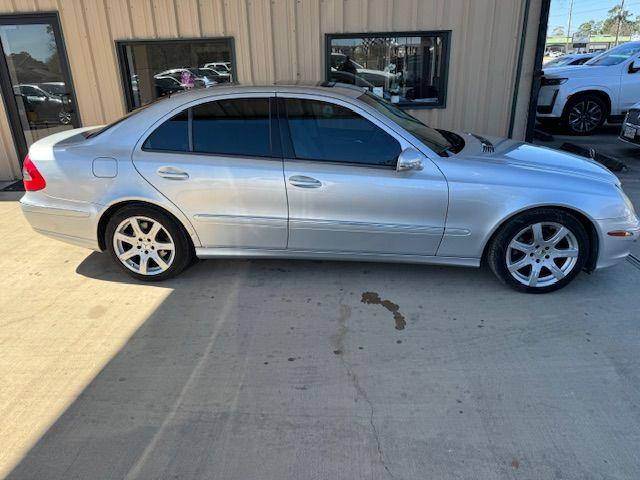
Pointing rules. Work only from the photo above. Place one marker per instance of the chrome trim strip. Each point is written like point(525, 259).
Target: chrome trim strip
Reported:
point(60, 212)
point(240, 219)
point(457, 232)
point(341, 225)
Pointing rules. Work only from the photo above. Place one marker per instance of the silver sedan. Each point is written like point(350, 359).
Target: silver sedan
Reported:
point(324, 172)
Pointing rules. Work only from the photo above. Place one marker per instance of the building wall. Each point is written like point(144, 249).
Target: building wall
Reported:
point(284, 39)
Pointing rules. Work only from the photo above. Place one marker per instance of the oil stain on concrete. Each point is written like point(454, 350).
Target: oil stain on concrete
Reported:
point(372, 298)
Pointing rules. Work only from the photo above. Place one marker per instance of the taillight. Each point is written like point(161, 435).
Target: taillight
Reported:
point(31, 177)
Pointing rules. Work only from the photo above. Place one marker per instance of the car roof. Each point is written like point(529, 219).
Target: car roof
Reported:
point(322, 88)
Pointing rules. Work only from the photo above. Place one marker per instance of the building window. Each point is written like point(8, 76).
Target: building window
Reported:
point(408, 68)
point(155, 68)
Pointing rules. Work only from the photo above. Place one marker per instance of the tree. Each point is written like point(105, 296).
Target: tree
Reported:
point(618, 15)
point(558, 31)
point(590, 28)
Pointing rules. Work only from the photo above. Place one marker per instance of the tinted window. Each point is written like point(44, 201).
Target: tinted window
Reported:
point(324, 131)
point(172, 135)
point(235, 127)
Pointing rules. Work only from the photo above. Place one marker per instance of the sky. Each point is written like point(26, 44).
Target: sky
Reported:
point(585, 10)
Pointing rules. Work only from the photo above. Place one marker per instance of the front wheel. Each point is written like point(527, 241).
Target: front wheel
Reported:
point(539, 251)
point(584, 114)
point(147, 243)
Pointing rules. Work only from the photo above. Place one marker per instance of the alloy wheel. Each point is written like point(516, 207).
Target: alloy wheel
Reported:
point(144, 245)
point(542, 254)
point(64, 117)
point(585, 116)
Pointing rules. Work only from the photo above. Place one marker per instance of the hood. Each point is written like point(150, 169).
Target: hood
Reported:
point(579, 71)
point(521, 155)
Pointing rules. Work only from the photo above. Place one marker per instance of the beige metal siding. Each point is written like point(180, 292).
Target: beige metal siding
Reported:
point(284, 39)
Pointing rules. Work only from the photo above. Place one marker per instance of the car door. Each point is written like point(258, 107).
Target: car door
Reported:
point(629, 85)
point(344, 192)
point(218, 163)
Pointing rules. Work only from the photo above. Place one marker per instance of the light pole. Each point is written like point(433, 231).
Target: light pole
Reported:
point(566, 48)
point(620, 12)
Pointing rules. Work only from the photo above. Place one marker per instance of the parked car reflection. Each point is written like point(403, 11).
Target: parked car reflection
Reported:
point(378, 78)
point(200, 77)
point(221, 68)
point(166, 85)
point(43, 105)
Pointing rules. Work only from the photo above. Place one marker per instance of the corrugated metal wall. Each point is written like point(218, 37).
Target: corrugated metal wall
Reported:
point(284, 39)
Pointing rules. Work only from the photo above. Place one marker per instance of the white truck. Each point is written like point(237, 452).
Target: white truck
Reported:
point(582, 97)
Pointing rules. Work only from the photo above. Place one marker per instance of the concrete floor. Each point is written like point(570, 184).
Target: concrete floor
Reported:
point(278, 370)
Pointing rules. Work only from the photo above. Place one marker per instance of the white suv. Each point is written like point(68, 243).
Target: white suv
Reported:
point(584, 96)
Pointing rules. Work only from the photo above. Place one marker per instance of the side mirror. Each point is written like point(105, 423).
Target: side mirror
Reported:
point(634, 66)
point(409, 159)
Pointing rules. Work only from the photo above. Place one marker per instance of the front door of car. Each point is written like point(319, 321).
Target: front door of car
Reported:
point(218, 163)
point(630, 84)
point(345, 195)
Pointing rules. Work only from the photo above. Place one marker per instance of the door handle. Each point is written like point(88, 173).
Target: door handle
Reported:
point(303, 181)
point(172, 173)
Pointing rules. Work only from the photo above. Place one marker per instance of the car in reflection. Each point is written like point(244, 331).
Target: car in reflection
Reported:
point(221, 68)
point(630, 132)
point(43, 107)
point(166, 85)
point(323, 171)
point(202, 77)
point(378, 78)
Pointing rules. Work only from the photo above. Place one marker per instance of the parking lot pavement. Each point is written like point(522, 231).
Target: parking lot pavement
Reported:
point(279, 370)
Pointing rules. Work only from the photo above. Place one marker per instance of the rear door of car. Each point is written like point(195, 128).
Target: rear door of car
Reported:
point(219, 161)
point(344, 192)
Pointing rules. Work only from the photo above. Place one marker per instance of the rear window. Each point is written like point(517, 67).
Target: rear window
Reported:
point(97, 131)
point(237, 126)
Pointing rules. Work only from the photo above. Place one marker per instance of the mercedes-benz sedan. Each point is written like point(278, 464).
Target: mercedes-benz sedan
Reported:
point(325, 172)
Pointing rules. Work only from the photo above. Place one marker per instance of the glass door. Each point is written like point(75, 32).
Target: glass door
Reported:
point(35, 80)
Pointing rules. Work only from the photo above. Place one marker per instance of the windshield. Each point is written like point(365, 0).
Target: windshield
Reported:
point(430, 137)
point(54, 88)
point(558, 62)
point(202, 72)
point(616, 55)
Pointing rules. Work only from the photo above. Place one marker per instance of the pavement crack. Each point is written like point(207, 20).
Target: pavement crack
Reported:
point(338, 343)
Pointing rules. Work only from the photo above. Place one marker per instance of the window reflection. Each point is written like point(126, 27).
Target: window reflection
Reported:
point(159, 68)
point(402, 69)
point(43, 98)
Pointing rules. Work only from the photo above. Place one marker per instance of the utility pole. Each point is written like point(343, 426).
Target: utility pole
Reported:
point(620, 12)
point(566, 48)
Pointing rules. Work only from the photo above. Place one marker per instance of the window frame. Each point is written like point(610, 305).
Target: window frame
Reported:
point(446, 50)
point(287, 143)
point(274, 128)
point(125, 73)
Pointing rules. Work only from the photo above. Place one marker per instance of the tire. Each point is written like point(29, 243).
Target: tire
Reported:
point(141, 254)
point(519, 248)
point(584, 114)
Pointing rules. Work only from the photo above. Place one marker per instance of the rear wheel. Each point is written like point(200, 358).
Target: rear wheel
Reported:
point(539, 251)
point(147, 243)
point(584, 114)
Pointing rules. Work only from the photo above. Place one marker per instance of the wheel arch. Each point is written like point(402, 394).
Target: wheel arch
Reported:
point(115, 207)
point(587, 223)
point(602, 94)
